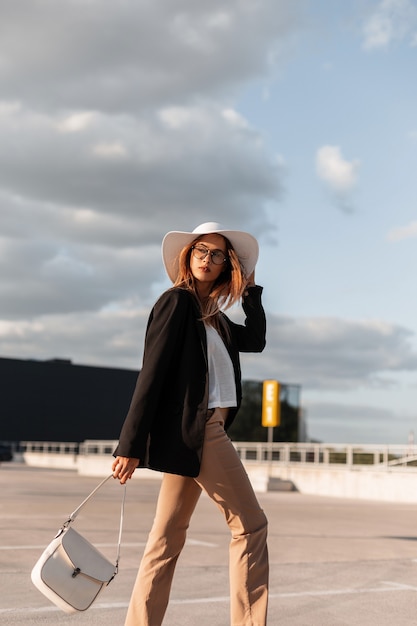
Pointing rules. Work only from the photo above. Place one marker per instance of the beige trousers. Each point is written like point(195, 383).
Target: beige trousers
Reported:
point(224, 479)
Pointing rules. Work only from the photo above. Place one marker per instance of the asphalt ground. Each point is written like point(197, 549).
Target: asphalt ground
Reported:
point(333, 561)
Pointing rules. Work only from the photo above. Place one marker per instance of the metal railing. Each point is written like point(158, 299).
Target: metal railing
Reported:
point(341, 455)
point(312, 454)
point(46, 447)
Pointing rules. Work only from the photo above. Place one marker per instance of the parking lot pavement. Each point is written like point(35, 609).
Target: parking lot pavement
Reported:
point(333, 561)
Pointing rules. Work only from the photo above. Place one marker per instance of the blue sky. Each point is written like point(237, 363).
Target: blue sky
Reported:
point(293, 119)
point(347, 248)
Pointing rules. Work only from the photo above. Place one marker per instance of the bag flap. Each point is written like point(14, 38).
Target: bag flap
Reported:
point(85, 557)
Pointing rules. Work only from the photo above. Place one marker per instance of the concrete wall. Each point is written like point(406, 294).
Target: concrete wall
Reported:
point(396, 484)
point(100, 465)
point(389, 485)
point(50, 460)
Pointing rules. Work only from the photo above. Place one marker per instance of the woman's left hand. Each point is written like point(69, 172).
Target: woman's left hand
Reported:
point(123, 468)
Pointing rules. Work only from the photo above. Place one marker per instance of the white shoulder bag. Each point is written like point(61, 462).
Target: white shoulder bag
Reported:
point(71, 572)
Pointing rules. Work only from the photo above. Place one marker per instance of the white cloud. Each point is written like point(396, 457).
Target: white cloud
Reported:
point(340, 174)
point(204, 157)
point(76, 122)
point(65, 267)
point(9, 108)
point(334, 422)
point(200, 33)
point(331, 353)
point(117, 124)
point(317, 353)
point(136, 55)
point(110, 150)
point(403, 232)
point(115, 337)
point(391, 20)
point(76, 200)
point(232, 116)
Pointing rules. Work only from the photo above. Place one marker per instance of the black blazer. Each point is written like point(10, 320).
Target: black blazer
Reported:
point(165, 425)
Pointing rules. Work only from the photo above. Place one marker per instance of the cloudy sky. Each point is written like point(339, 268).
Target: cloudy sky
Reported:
point(294, 119)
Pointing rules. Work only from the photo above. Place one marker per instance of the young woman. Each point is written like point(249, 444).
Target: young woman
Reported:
point(187, 395)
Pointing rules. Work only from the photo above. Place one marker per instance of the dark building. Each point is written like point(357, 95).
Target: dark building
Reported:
point(58, 401)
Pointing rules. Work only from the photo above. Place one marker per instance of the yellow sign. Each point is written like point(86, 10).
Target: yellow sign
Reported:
point(270, 403)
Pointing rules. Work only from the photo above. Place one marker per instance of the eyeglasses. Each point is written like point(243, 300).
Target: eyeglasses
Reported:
point(217, 256)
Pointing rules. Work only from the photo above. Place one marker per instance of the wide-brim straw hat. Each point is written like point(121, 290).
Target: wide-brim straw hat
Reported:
point(244, 244)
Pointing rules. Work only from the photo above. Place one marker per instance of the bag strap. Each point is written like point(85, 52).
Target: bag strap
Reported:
point(74, 514)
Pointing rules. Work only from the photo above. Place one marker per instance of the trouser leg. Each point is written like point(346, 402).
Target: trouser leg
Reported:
point(177, 499)
point(224, 479)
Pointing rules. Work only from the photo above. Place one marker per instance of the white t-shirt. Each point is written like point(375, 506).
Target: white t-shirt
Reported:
point(222, 387)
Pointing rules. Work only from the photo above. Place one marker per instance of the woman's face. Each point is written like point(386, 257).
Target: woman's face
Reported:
point(204, 270)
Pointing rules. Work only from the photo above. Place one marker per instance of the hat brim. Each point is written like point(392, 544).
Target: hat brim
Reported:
point(244, 244)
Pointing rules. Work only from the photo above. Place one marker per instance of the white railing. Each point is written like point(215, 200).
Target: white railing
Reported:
point(342, 455)
point(311, 454)
point(45, 447)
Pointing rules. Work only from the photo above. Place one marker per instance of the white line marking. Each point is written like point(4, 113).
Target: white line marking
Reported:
point(43, 546)
point(387, 586)
point(399, 585)
point(138, 544)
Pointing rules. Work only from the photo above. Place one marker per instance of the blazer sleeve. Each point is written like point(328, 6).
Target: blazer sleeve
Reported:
point(250, 336)
point(163, 333)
